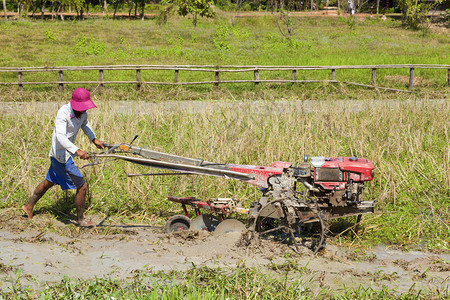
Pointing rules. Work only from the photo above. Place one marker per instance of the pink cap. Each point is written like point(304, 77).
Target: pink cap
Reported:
point(81, 100)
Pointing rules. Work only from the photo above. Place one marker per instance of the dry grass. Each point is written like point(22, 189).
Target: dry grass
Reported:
point(406, 139)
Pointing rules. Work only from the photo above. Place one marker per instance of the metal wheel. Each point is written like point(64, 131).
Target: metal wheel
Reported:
point(229, 225)
point(177, 223)
point(273, 220)
point(205, 222)
point(313, 225)
point(286, 223)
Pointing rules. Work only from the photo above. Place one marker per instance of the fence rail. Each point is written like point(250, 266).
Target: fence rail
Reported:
point(217, 70)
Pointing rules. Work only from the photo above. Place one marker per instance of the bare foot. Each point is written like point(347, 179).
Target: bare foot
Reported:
point(28, 211)
point(86, 223)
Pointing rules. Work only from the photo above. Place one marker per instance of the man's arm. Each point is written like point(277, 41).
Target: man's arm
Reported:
point(87, 129)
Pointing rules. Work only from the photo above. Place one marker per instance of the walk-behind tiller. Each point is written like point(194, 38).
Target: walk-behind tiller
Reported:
point(330, 187)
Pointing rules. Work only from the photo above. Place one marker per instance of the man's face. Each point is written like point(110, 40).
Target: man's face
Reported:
point(78, 113)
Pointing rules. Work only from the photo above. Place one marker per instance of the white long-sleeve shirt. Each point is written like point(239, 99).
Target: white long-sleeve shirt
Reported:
point(65, 133)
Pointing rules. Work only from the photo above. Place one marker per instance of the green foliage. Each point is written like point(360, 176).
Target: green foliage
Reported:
point(287, 25)
point(444, 18)
point(165, 9)
point(50, 36)
point(88, 46)
point(415, 12)
point(351, 22)
point(221, 36)
point(196, 8)
point(124, 42)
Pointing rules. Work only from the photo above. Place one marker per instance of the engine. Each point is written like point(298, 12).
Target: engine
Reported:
point(335, 181)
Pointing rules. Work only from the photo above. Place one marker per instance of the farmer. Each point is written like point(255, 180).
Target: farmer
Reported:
point(69, 119)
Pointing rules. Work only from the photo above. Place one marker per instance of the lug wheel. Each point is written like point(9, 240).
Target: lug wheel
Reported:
point(177, 223)
point(303, 225)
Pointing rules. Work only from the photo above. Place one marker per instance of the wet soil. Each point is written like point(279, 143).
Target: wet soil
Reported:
point(46, 250)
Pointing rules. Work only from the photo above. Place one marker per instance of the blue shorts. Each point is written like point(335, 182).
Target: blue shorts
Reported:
point(66, 175)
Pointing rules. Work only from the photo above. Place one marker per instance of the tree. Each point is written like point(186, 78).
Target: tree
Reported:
point(4, 9)
point(196, 8)
point(415, 12)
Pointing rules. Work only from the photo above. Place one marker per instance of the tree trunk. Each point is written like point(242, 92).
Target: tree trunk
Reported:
point(42, 10)
point(53, 8)
point(61, 11)
point(34, 10)
point(4, 9)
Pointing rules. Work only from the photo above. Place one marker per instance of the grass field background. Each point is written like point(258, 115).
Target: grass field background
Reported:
point(317, 41)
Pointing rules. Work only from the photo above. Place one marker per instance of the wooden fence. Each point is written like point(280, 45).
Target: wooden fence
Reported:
point(254, 76)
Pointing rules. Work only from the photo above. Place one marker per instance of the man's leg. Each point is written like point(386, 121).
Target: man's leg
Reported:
point(38, 193)
point(80, 201)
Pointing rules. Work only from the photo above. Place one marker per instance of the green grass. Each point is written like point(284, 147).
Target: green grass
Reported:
point(222, 41)
point(326, 41)
point(204, 283)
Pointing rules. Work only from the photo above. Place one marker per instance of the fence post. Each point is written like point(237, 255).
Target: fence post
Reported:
point(176, 75)
point(411, 79)
point(294, 75)
point(448, 77)
point(374, 76)
point(333, 74)
point(138, 78)
point(256, 75)
point(217, 77)
point(61, 80)
point(20, 80)
point(100, 78)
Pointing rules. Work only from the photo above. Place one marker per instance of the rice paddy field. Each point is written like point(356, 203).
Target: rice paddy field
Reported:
point(405, 135)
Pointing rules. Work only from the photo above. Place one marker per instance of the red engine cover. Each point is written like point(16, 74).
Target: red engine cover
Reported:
point(356, 169)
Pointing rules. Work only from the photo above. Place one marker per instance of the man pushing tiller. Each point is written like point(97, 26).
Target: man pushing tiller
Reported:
point(63, 172)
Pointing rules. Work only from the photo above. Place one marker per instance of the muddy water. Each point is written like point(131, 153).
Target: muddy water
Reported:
point(46, 255)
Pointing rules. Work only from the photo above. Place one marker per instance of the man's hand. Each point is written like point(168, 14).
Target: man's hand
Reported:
point(98, 143)
point(82, 154)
